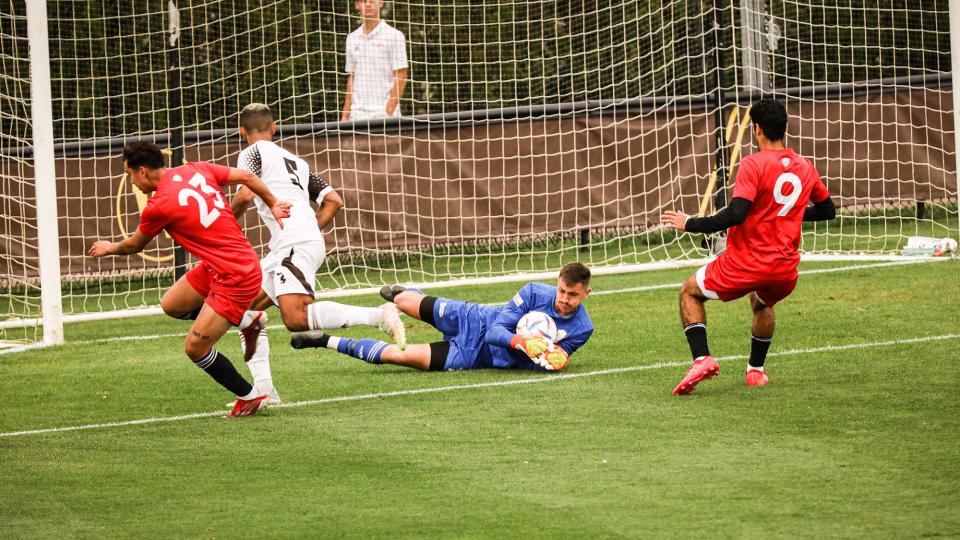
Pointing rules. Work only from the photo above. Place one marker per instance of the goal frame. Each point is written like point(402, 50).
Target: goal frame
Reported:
point(43, 149)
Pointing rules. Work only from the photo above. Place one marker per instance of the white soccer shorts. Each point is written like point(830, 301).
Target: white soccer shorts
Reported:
point(293, 269)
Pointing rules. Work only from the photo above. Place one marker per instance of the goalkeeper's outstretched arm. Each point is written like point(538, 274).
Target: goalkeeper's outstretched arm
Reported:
point(501, 331)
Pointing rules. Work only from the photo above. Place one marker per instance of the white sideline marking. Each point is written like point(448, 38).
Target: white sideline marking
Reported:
point(802, 273)
point(417, 391)
point(596, 293)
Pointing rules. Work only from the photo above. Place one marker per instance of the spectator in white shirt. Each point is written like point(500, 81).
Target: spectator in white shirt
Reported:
point(376, 66)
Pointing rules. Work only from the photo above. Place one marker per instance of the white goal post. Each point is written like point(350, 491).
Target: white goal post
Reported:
point(44, 173)
point(532, 133)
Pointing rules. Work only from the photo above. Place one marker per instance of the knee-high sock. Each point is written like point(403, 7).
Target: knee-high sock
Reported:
point(221, 370)
point(327, 315)
point(259, 363)
point(697, 339)
point(758, 351)
point(368, 350)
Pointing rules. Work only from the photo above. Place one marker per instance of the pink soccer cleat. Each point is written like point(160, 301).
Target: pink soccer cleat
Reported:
point(701, 370)
point(247, 407)
point(755, 377)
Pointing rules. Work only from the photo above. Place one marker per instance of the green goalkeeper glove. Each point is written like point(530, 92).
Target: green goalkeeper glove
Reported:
point(532, 347)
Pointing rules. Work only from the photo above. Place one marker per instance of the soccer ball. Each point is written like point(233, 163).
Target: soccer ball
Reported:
point(537, 324)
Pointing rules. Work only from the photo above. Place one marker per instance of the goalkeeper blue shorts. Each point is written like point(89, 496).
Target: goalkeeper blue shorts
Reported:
point(463, 327)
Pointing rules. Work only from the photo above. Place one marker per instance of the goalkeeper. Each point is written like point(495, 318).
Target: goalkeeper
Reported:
point(477, 336)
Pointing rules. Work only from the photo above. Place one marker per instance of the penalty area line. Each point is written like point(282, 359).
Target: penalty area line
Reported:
point(493, 384)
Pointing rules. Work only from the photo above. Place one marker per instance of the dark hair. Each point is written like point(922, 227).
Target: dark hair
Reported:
point(771, 116)
point(573, 273)
point(143, 154)
point(256, 118)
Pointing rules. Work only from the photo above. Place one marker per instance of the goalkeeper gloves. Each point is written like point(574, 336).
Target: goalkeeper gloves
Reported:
point(532, 347)
point(553, 360)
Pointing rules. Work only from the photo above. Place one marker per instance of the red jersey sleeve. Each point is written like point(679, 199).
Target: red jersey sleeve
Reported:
point(819, 193)
point(153, 219)
point(748, 180)
point(217, 173)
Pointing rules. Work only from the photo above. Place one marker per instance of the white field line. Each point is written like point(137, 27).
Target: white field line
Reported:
point(529, 380)
point(596, 293)
point(802, 273)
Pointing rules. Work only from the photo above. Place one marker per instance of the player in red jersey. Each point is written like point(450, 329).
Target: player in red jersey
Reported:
point(770, 198)
point(190, 206)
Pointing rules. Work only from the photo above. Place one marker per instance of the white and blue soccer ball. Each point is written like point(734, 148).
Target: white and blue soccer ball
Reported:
point(537, 324)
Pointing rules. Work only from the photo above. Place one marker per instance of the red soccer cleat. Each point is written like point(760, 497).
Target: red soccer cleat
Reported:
point(251, 333)
point(247, 407)
point(702, 369)
point(755, 377)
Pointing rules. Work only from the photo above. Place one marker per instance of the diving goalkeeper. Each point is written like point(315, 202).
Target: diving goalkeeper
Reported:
point(477, 336)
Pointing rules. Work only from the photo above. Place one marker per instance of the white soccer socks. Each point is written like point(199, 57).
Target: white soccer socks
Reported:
point(329, 315)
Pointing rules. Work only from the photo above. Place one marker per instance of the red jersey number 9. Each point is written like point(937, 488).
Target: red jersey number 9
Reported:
point(787, 201)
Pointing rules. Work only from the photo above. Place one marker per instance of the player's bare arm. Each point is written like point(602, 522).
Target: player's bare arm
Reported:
point(348, 100)
point(241, 201)
point(399, 83)
point(329, 206)
point(280, 209)
point(134, 244)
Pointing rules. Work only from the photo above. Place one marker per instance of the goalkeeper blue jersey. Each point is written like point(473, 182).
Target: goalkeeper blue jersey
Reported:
point(480, 335)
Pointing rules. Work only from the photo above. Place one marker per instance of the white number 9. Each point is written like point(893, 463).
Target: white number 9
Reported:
point(787, 200)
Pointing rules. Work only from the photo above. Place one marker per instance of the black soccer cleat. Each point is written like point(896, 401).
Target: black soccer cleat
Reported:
point(309, 340)
point(389, 292)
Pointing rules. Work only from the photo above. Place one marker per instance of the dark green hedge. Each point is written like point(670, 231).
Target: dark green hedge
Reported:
point(110, 67)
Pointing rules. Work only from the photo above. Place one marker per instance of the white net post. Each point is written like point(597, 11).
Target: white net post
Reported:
point(44, 173)
point(955, 71)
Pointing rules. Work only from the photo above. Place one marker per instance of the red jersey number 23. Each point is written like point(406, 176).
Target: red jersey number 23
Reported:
point(198, 182)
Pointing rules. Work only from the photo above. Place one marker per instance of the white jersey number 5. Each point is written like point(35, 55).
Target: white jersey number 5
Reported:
point(786, 200)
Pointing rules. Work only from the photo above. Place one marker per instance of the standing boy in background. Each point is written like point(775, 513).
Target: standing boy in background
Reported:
point(376, 66)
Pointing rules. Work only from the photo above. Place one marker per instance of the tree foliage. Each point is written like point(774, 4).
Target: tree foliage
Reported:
point(112, 65)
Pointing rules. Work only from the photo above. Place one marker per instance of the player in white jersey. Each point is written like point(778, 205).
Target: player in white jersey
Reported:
point(296, 246)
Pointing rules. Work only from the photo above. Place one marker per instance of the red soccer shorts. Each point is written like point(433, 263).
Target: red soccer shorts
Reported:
point(230, 298)
point(720, 282)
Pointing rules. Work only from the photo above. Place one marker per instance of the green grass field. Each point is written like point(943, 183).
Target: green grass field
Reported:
point(857, 436)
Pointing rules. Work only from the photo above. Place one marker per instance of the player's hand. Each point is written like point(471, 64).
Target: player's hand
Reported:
point(532, 347)
point(280, 210)
point(676, 220)
point(554, 359)
point(100, 248)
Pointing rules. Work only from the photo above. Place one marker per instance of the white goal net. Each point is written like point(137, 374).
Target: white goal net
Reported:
point(532, 133)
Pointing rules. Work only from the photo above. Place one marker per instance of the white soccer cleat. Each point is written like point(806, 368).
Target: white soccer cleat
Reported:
point(393, 326)
point(273, 398)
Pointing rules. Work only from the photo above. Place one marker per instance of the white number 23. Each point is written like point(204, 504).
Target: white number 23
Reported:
point(207, 215)
point(787, 200)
